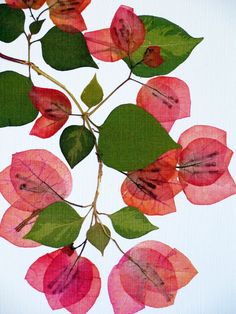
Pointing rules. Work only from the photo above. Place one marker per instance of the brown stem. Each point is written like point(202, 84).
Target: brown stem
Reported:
point(152, 88)
point(105, 99)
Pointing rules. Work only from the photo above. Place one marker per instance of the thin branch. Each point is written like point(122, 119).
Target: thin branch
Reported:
point(152, 88)
point(105, 99)
point(47, 76)
point(31, 14)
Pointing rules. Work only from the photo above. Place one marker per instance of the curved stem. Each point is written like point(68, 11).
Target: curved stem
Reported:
point(152, 88)
point(31, 14)
point(105, 99)
point(47, 76)
point(45, 10)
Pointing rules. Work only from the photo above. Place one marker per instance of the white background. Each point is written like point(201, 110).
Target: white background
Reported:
point(206, 234)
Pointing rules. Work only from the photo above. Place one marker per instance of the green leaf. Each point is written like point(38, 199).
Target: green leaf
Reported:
point(11, 23)
point(16, 108)
point(130, 223)
point(35, 26)
point(65, 51)
point(131, 138)
point(57, 225)
point(93, 93)
point(98, 238)
point(76, 143)
point(176, 45)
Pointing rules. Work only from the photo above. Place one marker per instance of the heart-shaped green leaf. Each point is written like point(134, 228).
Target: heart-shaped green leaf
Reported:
point(76, 143)
point(57, 225)
point(130, 223)
point(93, 93)
point(65, 51)
point(131, 138)
point(11, 23)
point(16, 108)
point(98, 236)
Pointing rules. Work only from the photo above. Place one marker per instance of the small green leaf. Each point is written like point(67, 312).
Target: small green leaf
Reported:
point(175, 44)
point(131, 138)
point(16, 108)
point(76, 143)
point(98, 238)
point(65, 51)
point(36, 26)
point(93, 93)
point(130, 223)
point(11, 23)
point(57, 225)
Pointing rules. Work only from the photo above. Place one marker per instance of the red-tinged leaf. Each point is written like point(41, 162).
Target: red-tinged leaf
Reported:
point(127, 30)
point(39, 178)
point(55, 108)
point(210, 194)
point(101, 46)
point(157, 270)
point(36, 272)
point(68, 280)
point(203, 161)
point(152, 189)
point(45, 128)
point(21, 4)
point(117, 293)
point(66, 14)
point(202, 131)
point(10, 220)
point(152, 57)
point(166, 98)
point(52, 104)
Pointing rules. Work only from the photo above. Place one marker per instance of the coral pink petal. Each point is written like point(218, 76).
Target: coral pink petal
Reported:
point(184, 269)
point(151, 205)
point(10, 220)
point(52, 103)
point(36, 272)
point(203, 161)
point(166, 98)
point(66, 15)
point(46, 128)
point(72, 22)
point(216, 192)
point(160, 247)
point(153, 188)
point(84, 305)
point(127, 30)
point(153, 282)
point(202, 131)
point(21, 4)
point(122, 303)
point(39, 177)
point(101, 46)
point(67, 280)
